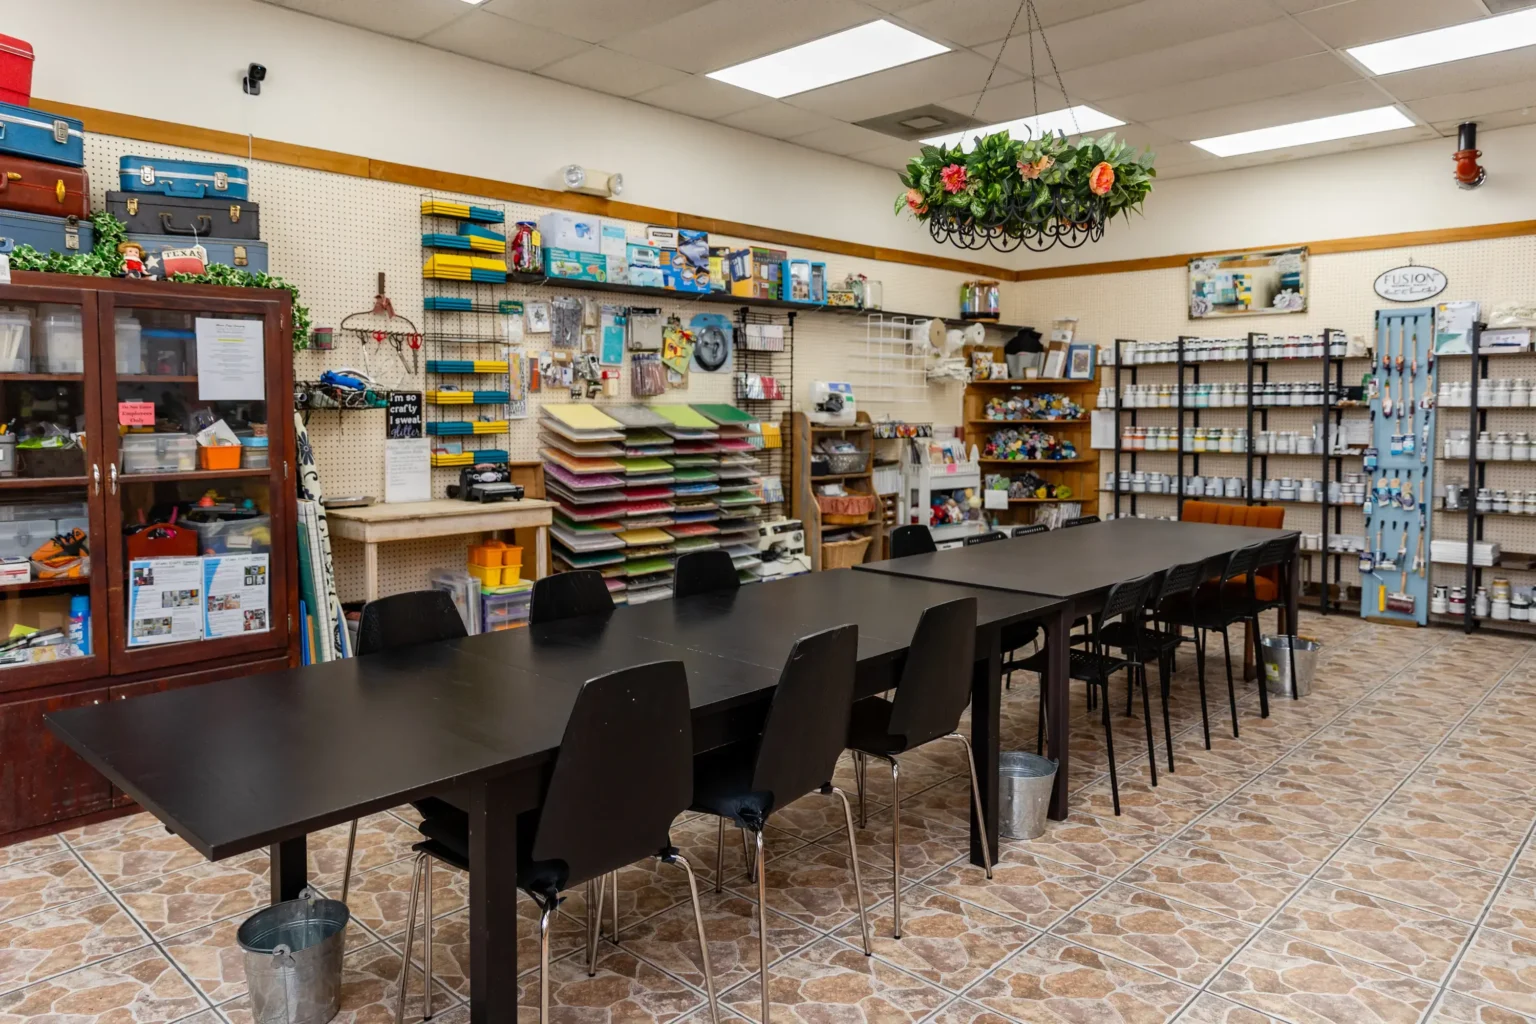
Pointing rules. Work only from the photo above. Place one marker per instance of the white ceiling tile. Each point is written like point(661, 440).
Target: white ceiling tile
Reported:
point(1242, 50)
point(1462, 75)
point(612, 72)
point(703, 97)
point(1008, 102)
point(972, 22)
point(1127, 31)
point(1254, 83)
point(909, 85)
point(592, 20)
point(1297, 6)
point(498, 40)
point(843, 139)
point(778, 120)
point(1302, 106)
point(893, 155)
point(407, 19)
point(1370, 21)
point(727, 32)
point(1465, 105)
point(1493, 122)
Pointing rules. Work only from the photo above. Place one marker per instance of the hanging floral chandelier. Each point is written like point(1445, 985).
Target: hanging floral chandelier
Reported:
point(1035, 193)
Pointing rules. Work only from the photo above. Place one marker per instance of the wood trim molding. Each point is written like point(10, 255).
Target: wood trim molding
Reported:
point(1325, 247)
point(170, 133)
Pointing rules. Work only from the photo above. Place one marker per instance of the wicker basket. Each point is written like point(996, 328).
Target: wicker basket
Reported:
point(846, 462)
point(856, 507)
point(841, 554)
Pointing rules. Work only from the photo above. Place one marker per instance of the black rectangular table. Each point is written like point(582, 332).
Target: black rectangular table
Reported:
point(1079, 565)
point(262, 761)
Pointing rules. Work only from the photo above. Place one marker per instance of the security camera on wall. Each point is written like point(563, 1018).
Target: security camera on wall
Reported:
point(255, 74)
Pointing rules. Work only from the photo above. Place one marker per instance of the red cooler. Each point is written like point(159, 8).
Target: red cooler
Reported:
point(15, 71)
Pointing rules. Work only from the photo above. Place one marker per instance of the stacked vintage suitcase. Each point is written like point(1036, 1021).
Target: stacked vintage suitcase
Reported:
point(178, 204)
point(45, 195)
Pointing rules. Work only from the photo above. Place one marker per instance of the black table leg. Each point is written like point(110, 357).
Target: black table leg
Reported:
point(1293, 596)
point(1058, 704)
point(986, 724)
point(492, 904)
point(289, 873)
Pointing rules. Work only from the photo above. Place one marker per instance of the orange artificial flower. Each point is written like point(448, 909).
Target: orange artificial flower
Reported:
point(1101, 179)
point(915, 201)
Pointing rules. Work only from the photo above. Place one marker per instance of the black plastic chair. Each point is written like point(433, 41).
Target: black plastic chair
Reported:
point(704, 572)
point(569, 595)
point(1032, 528)
point(1126, 602)
point(931, 695)
point(985, 538)
point(1159, 640)
point(1080, 521)
point(796, 753)
point(388, 623)
point(623, 773)
point(913, 539)
point(1218, 605)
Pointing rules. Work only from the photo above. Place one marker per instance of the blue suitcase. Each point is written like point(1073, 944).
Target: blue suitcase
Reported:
point(41, 136)
point(233, 252)
point(192, 179)
point(68, 235)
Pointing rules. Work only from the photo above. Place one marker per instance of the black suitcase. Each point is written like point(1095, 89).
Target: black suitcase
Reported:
point(152, 214)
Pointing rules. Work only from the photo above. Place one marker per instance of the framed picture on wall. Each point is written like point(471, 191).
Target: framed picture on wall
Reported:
point(1248, 283)
point(1082, 362)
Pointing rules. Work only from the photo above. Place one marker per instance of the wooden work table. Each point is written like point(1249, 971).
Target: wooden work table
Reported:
point(372, 525)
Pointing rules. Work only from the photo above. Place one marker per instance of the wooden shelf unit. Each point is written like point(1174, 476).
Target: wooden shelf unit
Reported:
point(1081, 474)
point(804, 435)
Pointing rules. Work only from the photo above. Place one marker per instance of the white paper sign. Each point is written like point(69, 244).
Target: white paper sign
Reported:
point(165, 600)
point(231, 360)
point(408, 469)
point(5, 268)
point(237, 589)
point(994, 499)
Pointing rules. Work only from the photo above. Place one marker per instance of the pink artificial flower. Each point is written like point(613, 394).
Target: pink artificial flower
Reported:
point(915, 201)
point(954, 178)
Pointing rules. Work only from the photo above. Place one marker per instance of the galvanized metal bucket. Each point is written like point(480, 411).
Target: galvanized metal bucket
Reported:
point(293, 953)
point(1024, 789)
point(1276, 652)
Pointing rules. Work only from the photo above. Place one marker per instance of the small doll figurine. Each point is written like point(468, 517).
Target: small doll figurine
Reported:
point(133, 259)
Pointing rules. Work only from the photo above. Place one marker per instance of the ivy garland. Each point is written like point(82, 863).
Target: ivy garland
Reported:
point(105, 261)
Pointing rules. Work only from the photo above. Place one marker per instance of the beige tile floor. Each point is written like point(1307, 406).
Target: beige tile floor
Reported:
point(1364, 855)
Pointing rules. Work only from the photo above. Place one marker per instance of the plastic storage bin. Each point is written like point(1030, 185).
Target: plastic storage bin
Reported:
point(219, 456)
point(254, 453)
point(62, 339)
point(234, 536)
point(19, 538)
point(159, 453)
point(505, 611)
point(128, 335)
point(15, 342)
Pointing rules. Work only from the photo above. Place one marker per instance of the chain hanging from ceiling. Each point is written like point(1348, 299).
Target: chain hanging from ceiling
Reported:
point(1035, 193)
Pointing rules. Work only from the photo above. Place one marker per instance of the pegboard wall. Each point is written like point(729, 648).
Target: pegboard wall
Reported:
point(331, 235)
point(1150, 306)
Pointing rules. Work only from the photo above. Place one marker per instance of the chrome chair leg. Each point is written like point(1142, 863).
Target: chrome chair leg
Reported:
point(720, 855)
point(858, 875)
point(544, 963)
point(410, 933)
point(981, 818)
point(346, 876)
point(762, 923)
point(698, 921)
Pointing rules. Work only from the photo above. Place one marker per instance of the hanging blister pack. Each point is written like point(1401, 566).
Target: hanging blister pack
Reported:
point(644, 329)
point(565, 315)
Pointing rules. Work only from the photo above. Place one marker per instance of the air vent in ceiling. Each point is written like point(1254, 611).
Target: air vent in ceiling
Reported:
point(1505, 6)
point(919, 122)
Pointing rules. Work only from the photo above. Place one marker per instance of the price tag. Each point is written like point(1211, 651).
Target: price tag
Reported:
point(951, 468)
point(994, 499)
point(136, 414)
point(5, 268)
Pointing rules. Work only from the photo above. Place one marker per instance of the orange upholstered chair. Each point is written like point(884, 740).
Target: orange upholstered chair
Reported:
point(1266, 586)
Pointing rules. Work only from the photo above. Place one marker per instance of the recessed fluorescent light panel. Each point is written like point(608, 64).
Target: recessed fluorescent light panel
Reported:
point(1443, 45)
point(1302, 133)
point(835, 58)
point(1070, 120)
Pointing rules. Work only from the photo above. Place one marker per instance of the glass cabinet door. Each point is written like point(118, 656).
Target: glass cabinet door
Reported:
point(53, 626)
point(196, 481)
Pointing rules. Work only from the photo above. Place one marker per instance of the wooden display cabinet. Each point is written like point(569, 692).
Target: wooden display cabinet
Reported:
point(1080, 474)
point(96, 342)
point(803, 506)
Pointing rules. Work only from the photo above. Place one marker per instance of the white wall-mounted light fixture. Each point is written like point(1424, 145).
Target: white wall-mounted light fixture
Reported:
point(592, 182)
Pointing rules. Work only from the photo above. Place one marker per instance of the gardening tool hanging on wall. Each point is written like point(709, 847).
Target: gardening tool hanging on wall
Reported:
point(373, 338)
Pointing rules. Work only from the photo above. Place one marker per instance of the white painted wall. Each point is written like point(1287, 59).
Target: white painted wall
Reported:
point(341, 88)
point(1344, 195)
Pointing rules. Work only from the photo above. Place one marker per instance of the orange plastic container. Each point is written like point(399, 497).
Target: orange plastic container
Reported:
point(220, 457)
